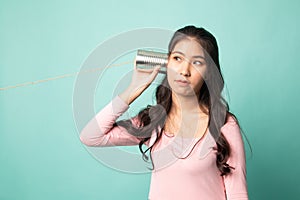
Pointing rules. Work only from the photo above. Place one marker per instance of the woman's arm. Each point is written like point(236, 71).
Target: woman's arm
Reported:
point(235, 182)
point(100, 131)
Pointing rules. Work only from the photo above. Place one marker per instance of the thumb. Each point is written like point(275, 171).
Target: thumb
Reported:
point(154, 73)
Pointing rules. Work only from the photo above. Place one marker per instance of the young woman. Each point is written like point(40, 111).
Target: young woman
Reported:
point(195, 143)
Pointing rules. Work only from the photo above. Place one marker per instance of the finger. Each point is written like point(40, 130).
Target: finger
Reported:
point(157, 68)
point(146, 70)
point(154, 73)
point(134, 63)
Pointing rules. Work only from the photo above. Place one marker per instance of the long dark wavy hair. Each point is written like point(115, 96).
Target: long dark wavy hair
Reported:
point(153, 117)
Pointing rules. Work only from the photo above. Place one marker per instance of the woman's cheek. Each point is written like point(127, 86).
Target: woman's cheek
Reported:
point(172, 69)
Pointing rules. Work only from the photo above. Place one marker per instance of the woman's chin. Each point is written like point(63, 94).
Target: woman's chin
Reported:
point(187, 92)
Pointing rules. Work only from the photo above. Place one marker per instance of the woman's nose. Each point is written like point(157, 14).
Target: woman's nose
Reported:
point(185, 68)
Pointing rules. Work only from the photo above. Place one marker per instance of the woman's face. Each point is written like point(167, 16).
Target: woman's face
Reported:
point(186, 68)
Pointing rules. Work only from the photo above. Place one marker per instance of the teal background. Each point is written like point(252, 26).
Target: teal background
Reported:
point(41, 155)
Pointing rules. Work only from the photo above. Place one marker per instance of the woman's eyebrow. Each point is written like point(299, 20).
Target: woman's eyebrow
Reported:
point(197, 56)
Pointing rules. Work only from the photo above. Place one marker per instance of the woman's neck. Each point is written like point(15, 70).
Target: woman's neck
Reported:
point(184, 104)
point(185, 114)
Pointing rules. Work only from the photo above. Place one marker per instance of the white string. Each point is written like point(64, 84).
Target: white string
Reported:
point(62, 76)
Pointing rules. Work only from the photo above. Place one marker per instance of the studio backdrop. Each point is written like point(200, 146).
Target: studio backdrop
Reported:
point(46, 45)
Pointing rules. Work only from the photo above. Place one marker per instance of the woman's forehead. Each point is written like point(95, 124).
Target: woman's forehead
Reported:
point(189, 47)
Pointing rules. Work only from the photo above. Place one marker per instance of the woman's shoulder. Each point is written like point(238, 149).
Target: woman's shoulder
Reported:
point(231, 126)
point(231, 119)
point(136, 122)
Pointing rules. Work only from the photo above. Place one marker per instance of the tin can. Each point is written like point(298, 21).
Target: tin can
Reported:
point(149, 59)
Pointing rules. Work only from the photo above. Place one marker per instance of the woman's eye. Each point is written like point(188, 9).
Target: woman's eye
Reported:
point(197, 62)
point(177, 58)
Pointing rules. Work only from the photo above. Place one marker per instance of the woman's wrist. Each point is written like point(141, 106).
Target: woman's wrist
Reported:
point(128, 96)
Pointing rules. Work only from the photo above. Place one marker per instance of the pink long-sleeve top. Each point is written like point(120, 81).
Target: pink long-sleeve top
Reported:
point(185, 169)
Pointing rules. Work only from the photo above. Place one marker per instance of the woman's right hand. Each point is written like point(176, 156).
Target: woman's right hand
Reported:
point(141, 79)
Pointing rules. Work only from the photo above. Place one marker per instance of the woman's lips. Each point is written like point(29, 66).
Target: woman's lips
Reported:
point(182, 82)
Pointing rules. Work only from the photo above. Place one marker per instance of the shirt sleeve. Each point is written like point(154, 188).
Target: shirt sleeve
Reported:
point(235, 182)
point(100, 130)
